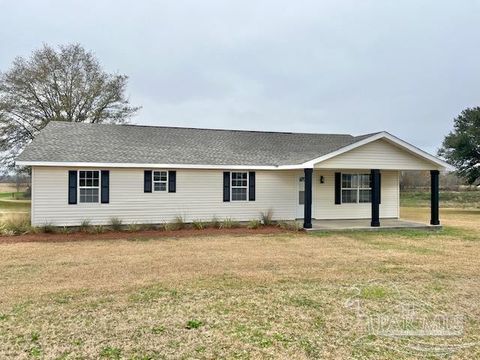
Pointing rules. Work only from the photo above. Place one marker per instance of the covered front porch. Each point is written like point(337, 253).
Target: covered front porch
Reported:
point(347, 221)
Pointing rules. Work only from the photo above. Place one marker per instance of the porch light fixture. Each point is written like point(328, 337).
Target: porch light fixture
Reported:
point(322, 179)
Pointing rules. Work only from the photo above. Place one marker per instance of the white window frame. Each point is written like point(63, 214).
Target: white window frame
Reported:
point(239, 187)
point(99, 187)
point(160, 181)
point(357, 188)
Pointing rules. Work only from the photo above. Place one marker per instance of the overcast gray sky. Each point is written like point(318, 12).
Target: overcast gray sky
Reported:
point(408, 67)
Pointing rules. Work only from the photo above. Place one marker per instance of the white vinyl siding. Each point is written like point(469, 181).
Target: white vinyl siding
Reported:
point(324, 197)
point(379, 154)
point(199, 196)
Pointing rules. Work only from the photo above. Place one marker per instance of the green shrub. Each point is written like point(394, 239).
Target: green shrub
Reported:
point(116, 224)
point(215, 223)
point(85, 225)
point(254, 224)
point(290, 225)
point(16, 224)
point(198, 224)
point(266, 217)
point(229, 223)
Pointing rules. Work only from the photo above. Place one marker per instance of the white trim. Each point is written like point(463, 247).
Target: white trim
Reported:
point(156, 166)
point(389, 137)
point(159, 182)
point(32, 198)
point(309, 164)
point(99, 187)
point(240, 187)
point(299, 206)
point(357, 188)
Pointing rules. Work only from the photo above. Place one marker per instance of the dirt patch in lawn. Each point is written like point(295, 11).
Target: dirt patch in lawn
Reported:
point(144, 234)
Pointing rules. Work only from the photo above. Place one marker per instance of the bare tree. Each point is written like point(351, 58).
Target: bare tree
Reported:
point(64, 84)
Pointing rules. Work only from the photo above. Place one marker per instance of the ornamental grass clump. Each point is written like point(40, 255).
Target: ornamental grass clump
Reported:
point(290, 225)
point(266, 217)
point(199, 224)
point(116, 224)
point(229, 223)
point(254, 224)
point(215, 223)
point(85, 225)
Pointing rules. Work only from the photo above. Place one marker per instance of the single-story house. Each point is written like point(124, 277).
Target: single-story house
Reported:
point(150, 174)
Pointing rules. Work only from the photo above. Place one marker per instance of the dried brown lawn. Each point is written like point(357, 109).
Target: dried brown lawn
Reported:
point(232, 296)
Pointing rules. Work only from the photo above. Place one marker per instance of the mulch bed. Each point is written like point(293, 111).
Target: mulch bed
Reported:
point(143, 234)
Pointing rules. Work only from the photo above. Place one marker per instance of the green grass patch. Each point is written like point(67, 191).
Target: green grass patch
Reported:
point(460, 199)
point(303, 301)
point(159, 329)
point(373, 292)
point(193, 324)
point(13, 195)
point(110, 352)
point(406, 233)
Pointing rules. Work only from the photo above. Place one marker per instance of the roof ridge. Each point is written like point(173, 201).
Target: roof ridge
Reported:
point(207, 129)
point(362, 136)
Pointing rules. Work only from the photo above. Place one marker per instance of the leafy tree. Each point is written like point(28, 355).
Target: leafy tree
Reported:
point(63, 84)
point(461, 147)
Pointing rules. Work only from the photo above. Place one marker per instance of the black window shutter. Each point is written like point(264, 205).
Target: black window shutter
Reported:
point(105, 177)
point(251, 186)
point(147, 181)
point(338, 188)
point(172, 181)
point(226, 186)
point(379, 187)
point(72, 187)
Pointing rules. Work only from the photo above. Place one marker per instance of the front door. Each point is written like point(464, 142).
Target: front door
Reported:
point(300, 196)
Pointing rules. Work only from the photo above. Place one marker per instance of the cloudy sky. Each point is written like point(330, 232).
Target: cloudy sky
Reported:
point(408, 67)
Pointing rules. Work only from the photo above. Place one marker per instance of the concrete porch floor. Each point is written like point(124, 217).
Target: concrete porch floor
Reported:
point(364, 224)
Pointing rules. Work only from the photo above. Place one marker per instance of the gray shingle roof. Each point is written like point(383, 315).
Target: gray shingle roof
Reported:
point(102, 143)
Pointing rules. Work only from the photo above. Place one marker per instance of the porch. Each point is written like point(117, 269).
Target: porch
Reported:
point(365, 224)
point(363, 190)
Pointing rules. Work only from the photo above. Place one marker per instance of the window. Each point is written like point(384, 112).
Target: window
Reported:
point(160, 181)
point(356, 188)
point(301, 190)
point(239, 186)
point(89, 186)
